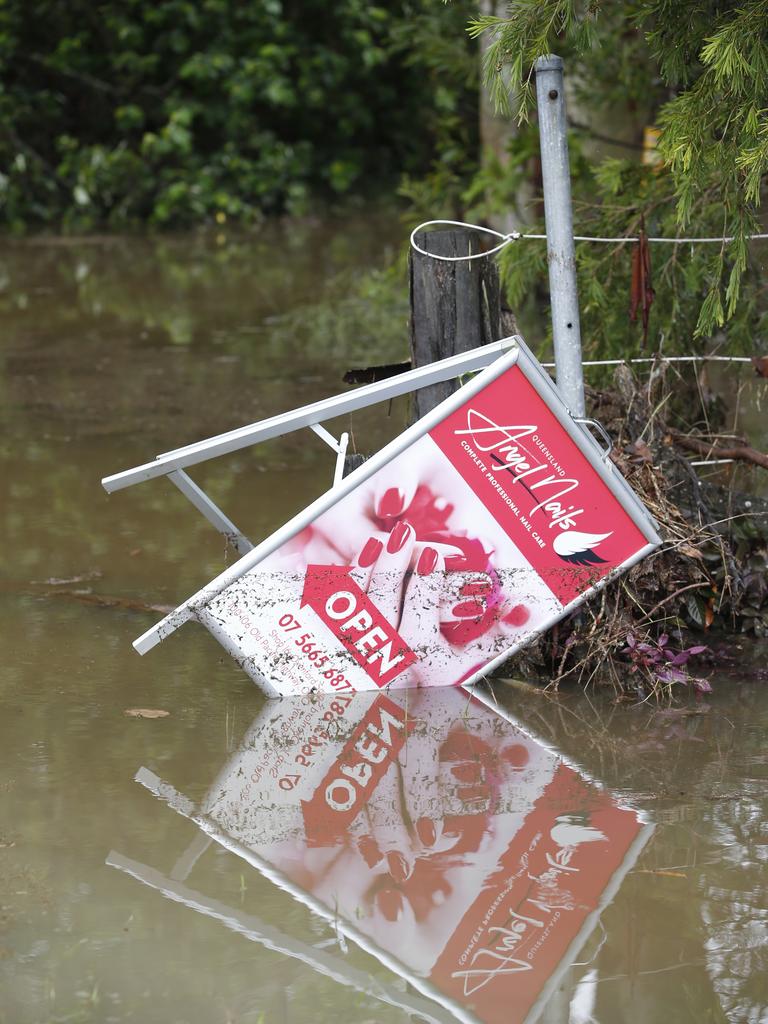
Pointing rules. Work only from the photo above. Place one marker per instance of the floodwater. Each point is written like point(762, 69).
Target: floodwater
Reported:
point(563, 860)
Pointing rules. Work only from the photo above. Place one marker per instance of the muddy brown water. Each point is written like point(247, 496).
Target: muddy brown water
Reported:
point(115, 349)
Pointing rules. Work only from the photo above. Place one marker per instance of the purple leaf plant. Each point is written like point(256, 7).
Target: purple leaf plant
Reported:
point(665, 664)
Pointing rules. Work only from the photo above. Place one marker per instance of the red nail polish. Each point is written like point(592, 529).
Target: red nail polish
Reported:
point(467, 771)
point(517, 616)
point(369, 851)
point(390, 903)
point(427, 562)
point(370, 552)
point(516, 755)
point(454, 562)
point(468, 610)
point(398, 866)
point(474, 795)
point(426, 830)
point(479, 587)
point(392, 504)
point(398, 537)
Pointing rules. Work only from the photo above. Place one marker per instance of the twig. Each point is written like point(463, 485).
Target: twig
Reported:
point(671, 597)
point(744, 453)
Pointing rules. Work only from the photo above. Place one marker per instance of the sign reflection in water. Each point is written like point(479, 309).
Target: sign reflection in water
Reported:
point(430, 829)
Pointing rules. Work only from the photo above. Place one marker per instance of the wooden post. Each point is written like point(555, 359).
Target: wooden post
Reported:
point(352, 462)
point(454, 306)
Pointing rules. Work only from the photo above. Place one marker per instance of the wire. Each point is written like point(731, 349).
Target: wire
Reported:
point(513, 236)
point(670, 241)
point(711, 462)
point(670, 359)
point(662, 359)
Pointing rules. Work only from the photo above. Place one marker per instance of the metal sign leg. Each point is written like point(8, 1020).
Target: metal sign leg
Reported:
point(210, 510)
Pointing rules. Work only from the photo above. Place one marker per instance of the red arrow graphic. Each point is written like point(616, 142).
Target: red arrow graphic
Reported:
point(355, 774)
point(356, 622)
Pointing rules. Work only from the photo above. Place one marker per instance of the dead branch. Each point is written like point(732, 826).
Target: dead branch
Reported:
point(743, 453)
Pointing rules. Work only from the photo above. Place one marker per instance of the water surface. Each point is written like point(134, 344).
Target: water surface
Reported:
point(115, 349)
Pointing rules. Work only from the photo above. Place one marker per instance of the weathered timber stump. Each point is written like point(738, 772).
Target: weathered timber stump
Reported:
point(352, 462)
point(455, 307)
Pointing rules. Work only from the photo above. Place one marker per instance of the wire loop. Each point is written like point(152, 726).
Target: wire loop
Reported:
point(505, 240)
point(513, 236)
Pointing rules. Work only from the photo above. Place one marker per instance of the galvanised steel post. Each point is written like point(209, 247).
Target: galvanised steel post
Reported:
point(561, 257)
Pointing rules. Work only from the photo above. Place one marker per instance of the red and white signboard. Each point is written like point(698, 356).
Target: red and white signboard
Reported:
point(441, 837)
point(453, 547)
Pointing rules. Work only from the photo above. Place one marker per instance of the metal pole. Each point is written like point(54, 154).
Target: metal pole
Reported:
point(558, 216)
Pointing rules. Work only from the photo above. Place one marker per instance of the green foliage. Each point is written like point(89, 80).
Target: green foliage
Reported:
point(609, 200)
point(525, 34)
point(434, 41)
point(699, 70)
point(179, 112)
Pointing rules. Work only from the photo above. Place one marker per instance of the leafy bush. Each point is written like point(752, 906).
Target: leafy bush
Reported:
point(176, 112)
point(697, 71)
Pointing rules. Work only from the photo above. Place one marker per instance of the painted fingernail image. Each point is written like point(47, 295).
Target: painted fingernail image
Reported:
point(398, 537)
point(391, 504)
point(469, 610)
point(426, 830)
point(370, 552)
point(475, 796)
point(399, 868)
point(427, 562)
point(517, 616)
point(390, 904)
point(454, 562)
point(467, 771)
point(369, 850)
point(476, 588)
point(516, 755)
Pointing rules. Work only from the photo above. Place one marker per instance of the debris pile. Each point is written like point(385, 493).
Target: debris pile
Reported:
point(650, 631)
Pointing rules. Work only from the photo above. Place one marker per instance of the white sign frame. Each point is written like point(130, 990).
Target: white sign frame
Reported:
point(496, 358)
